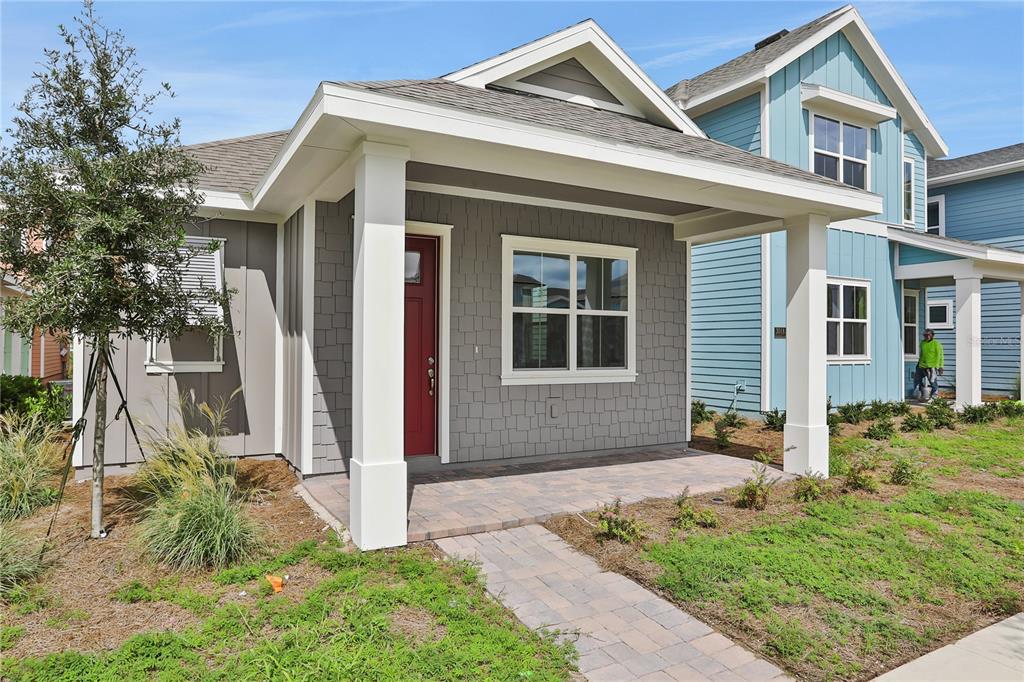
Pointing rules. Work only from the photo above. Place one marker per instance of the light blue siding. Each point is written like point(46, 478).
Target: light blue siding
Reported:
point(835, 64)
point(986, 209)
point(737, 124)
point(914, 150)
point(912, 255)
point(858, 256)
point(725, 317)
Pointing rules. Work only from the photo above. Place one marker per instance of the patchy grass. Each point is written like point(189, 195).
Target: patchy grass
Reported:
point(997, 448)
point(397, 615)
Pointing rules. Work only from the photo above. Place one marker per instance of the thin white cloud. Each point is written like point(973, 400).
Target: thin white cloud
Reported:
point(702, 46)
point(881, 16)
point(306, 13)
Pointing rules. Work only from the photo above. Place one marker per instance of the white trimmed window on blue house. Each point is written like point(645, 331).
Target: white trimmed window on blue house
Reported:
point(847, 323)
point(840, 151)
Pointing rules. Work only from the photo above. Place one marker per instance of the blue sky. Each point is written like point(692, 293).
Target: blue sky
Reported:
point(248, 67)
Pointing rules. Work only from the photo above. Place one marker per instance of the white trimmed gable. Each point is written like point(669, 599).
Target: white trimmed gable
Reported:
point(579, 64)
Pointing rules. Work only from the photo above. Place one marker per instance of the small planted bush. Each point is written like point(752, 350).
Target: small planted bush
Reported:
point(899, 408)
point(859, 476)
point(19, 563)
point(834, 422)
point(723, 434)
point(941, 414)
point(775, 420)
point(878, 409)
point(915, 421)
point(690, 516)
point(699, 412)
point(29, 396)
point(810, 487)
point(852, 413)
point(733, 420)
point(755, 491)
point(30, 458)
point(905, 472)
point(615, 524)
point(978, 414)
point(883, 429)
point(1011, 409)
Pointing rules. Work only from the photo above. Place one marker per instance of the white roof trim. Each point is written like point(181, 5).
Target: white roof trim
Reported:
point(961, 249)
point(829, 101)
point(977, 173)
point(850, 22)
point(659, 108)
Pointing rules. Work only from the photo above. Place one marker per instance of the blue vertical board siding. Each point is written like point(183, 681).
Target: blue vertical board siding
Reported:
point(835, 64)
point(857, 256)
point(737, 124)
point(725, 324)
point(914, 150)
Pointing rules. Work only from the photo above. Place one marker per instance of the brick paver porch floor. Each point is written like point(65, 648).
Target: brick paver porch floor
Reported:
point(446, 503)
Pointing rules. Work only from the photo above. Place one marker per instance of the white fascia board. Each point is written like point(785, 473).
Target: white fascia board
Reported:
point(513, 62)
point(388, 110)
point(310, 115)
point(850, 22)
point(850, 107)
point(977, 173)
point(232, 205)
point(975, 250)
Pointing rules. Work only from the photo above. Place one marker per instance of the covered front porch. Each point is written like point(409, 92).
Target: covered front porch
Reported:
point(927, 262)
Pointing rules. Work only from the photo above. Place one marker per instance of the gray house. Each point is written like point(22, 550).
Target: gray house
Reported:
point(487, 265)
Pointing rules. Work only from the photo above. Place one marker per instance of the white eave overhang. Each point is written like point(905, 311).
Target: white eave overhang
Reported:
point(847, 107)
point(970, 259)
point(977, 174)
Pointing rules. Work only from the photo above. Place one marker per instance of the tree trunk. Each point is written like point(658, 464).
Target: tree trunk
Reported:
point(99, 440)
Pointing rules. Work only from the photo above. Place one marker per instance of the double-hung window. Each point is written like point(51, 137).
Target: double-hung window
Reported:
point(908, 191)
point(568, 312)
point(840, 151)
point(936, 217)
point(195, 350)
point(910, 324)
point(847, 336)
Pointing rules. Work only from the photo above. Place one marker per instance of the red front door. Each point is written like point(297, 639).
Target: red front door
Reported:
point(421, 346)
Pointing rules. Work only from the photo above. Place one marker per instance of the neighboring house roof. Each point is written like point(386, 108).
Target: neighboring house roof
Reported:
point(720, 84)
point(974, 166)
point(236, 164)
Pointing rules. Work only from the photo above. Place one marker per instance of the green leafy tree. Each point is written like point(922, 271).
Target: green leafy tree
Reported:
point(94, 200)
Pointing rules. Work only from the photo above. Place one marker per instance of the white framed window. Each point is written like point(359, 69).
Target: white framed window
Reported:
point(839, 150)
point(940, 315)
point(910, 315)
point(848, 323)
point(908, 191)
point(568, 312)
point(195, 350)
point(935, 222)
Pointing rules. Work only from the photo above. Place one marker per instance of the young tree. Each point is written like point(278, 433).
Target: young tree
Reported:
point(94, 199)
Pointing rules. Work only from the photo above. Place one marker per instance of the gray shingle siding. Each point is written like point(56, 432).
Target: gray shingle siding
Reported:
point(488, 420)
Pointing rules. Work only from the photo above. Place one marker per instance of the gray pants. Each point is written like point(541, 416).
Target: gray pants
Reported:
point(929, 373)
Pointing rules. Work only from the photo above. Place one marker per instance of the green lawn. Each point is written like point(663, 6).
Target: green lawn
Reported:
point(395, 615)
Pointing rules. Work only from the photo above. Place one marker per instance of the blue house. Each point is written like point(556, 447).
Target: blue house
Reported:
point(825, 98)
point(981, 198)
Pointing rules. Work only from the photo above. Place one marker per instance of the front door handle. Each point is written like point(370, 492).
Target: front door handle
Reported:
point(430, 375)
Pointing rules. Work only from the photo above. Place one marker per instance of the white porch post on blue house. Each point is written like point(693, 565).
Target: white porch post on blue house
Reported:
point(968, 340)
point(377, 512)
point(805, 440)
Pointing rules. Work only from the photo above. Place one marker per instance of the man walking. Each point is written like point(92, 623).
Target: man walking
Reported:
point(929, 365)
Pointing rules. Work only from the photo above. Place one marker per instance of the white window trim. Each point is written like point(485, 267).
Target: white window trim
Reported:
point(915, 294)
point(948, 305)
point(511, 377)
point(851, 359)
point(939, 199)
point(156, 366)
point(839, 155)
point(913, 191)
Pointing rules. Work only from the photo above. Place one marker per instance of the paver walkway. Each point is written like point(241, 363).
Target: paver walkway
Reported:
point(622, 630)
point(478, 499)
point(995, 653)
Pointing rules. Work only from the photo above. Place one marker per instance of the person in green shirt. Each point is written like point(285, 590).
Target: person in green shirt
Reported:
point(929, 365)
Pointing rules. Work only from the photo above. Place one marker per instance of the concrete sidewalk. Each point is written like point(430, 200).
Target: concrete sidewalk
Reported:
point(995, 653)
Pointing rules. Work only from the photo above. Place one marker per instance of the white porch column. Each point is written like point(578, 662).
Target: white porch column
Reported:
point(968, 341)
point(805, 440)
point(377, 474)
point(1020, 369)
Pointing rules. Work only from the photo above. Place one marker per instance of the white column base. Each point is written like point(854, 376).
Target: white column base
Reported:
point(377, 509)
point(805, 450)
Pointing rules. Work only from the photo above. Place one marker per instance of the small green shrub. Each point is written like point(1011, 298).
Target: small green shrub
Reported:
point(699, 412)
point(53, 405)
point(1011, 408)
point(859, 476)
point(19, 563)
point(775, 420)
point(203, 526)
point(689, 516)
point(30, 458)
point(834, 422)
point(615, 524)
point(899, 408)
point(878, 409)
point(978, 414)
point(915, 421)
point(733, 420)
point(941, 414)
point(723, 434)
point(851, 413)
point(810, 487)
point(883, 429)
point(755, 491)
point(15, 391)
point(905, 472)
point(9, 636)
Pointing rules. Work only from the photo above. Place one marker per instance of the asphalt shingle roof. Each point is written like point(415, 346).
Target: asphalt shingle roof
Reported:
point(993, 157)
point(236, 164)
point(747, 63)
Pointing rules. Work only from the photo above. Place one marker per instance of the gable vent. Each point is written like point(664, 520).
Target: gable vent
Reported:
point(765, 42)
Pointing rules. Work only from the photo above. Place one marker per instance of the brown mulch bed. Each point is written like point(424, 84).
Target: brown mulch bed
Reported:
point(80, 612)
